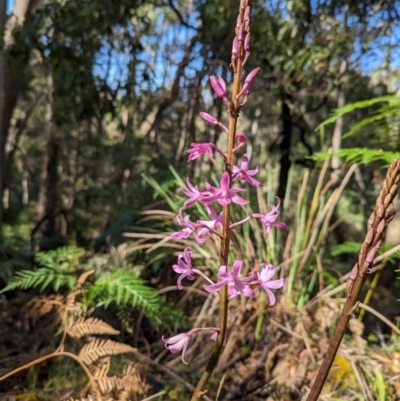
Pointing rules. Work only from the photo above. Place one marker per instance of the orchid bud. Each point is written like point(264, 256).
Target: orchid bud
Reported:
point(209, 118)
point(240, 33)
point(248, 82)
point(238, 21)
point(250, 78)
point(247, 42)
point(219, 86)
point(246, 16)
point(241, 138)
point(222, 83)
point(235, 48)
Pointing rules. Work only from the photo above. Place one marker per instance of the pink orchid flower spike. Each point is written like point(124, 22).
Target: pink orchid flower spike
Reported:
point(266, 282)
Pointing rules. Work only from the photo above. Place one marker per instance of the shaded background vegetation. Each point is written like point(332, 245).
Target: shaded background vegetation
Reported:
point(99, 101)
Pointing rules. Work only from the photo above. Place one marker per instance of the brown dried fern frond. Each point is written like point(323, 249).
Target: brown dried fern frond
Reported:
point(82, 278)
point(134, 383)
point(101, 367)
point(90, 326)
point(70, 300)
point(90, 397)
point(108, 384)
point(41, 305)
point(130, 369)
point(96, 349)
point(124, 395)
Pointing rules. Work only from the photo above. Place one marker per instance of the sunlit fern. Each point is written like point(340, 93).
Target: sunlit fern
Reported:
point(94, 356)
point(62, 266)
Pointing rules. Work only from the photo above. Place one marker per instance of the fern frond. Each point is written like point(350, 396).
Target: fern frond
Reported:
point(134, 383)
point(393, 101)
point(124, 395)
point(90, 326)
point(71, 297)
point(130, 369)
point(41, 277)
point(358, 155)
point(101, 367)
point(96, 349)
point(346, 248)
point(108, 384)
point(82, 278)
point(125, 288)
point(66, 258)
point(40, 306)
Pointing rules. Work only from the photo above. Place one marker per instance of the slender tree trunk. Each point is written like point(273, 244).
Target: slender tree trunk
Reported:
point(12, 70)
point(3, 4)
point(14, 134)
point(285, 145)
point(49, 177)
point(338, 128)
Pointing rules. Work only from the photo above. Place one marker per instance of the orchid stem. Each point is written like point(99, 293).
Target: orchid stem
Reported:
point(225, 241)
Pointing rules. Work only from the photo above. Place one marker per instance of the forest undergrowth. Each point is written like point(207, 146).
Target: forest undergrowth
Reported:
point(59, 335)
point(93, 168)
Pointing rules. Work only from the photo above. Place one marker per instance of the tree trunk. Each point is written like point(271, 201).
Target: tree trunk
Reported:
point(338, 128)
point(287, 131)
point(47, 210)
point(3, 4)
point(12, 68)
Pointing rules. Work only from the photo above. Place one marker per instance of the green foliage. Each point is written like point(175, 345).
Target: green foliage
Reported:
point(359, 155)
point(389, 110)
point(380, 121)
point(125, 288)
point(380, 385)
point(349, 247)
point(119, 287)
point(56, 268)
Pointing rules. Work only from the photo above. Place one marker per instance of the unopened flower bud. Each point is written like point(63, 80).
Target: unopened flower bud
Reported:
point(240, 34)
point(209, 118)
point(248, 82)
point(246, 16)
point(219, 86)
point(235, 48)
point(247, 42)
point(241, 138)
point(250, 78)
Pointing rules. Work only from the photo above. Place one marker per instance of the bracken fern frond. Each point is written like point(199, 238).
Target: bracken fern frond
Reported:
point(125, 288)
point(90, 326)
point(96, 349)
point(41, 277)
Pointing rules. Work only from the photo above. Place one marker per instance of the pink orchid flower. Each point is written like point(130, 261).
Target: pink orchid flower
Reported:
point(269, 219)
point(224, 195)
point(186, 269)
point(235, 284)
point(264, 280)
point(244, 174)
